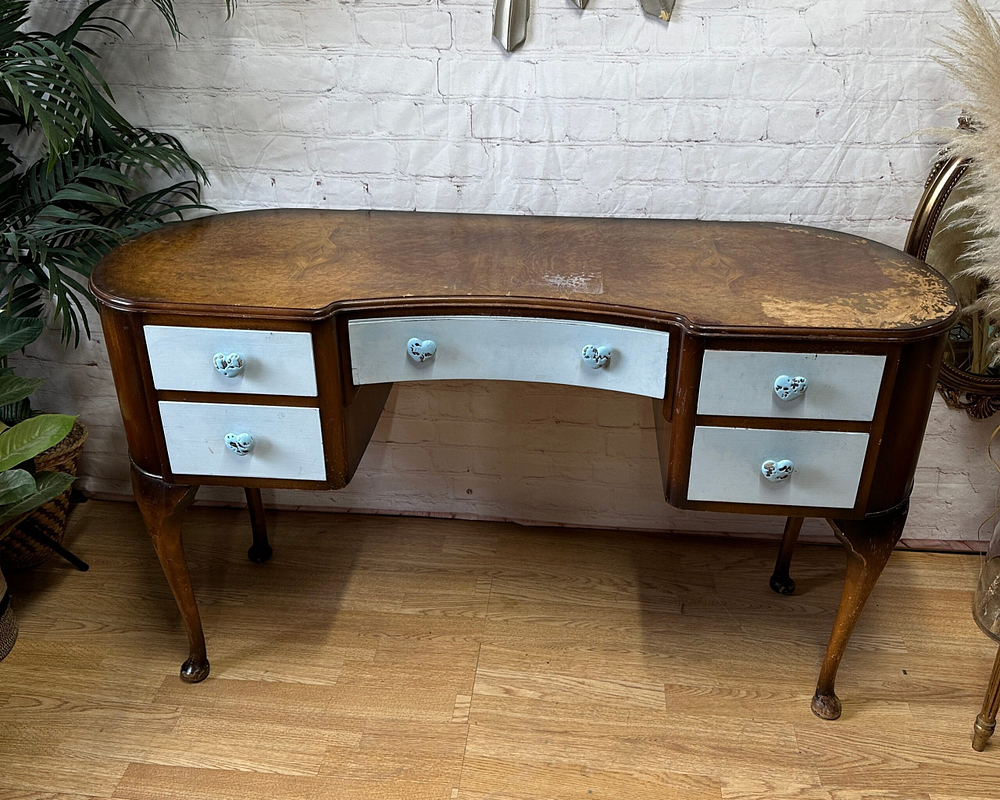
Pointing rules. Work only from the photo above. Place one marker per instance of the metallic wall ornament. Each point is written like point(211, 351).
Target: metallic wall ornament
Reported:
point(662, 9)
point(510, 18)
point(510, 23)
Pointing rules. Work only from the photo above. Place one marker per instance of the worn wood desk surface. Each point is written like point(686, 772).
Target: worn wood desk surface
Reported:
point(719, 275)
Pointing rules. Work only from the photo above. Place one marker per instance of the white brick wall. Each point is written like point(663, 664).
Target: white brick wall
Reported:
point(740, 109)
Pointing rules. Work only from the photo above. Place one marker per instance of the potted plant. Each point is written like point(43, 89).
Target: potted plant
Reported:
point(23, 487)
point(20, 543)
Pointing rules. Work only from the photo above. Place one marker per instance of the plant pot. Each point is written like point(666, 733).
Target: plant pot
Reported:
point(18, 550)
point(8, 622)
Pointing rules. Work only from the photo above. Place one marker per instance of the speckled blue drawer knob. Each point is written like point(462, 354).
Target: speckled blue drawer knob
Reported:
point(421, 351)
point(230, 364)
point(239, 443)
point(777, 471)
point(788, 388)
point(596, 357)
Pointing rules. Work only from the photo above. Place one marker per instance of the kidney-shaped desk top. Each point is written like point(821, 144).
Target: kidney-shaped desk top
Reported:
point(305, 263)
point(791, 369)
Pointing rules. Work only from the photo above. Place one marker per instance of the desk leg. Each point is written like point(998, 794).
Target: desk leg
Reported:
point(781, 582)
point(260, 551)
point(986, 722)
point(869, 544)
point(162, 506)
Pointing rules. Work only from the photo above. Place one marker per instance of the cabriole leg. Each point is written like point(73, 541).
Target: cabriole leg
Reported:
point(780, 580)
point(162, 506)
point(869, 543)
point(260, 551)
point(986, 722)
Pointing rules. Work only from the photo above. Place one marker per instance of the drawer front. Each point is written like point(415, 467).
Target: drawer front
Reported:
point(286, 442)
point(273, 362)
point(510, 349)
point(840, 387)
point(826, 467)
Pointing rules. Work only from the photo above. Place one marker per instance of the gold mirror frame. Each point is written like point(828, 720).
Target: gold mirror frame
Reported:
point(979, 395)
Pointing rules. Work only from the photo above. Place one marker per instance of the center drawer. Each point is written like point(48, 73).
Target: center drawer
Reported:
point(614, 357)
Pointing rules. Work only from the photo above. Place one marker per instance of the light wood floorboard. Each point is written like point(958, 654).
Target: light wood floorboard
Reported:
point(399, 658)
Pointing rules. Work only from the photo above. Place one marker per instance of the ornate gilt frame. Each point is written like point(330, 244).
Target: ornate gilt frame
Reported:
point(978, 395)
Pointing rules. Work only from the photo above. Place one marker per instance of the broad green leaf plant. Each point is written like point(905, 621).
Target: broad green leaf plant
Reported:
point(22, 489)
point(88, 187)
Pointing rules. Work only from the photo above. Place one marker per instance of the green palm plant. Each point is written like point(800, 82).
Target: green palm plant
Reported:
point(88, 188)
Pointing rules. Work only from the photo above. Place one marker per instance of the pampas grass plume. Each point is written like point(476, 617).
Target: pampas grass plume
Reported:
point(971, 54)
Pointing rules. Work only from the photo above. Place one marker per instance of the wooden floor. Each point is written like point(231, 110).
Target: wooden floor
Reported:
point(410, 658)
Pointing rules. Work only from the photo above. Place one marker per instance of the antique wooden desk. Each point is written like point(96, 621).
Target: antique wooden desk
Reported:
point(791, 369)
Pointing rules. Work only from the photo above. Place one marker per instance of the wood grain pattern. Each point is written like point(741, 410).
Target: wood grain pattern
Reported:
point(430, 660)
point(712, 274)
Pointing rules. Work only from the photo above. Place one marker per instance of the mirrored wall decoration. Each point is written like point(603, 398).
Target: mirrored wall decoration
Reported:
point(510, 18)
point(943, 233)
point(510, 23)
point(662, 9)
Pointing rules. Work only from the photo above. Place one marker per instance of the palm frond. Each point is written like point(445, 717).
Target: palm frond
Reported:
point(90, 190)
point(48, 85)
point(13, 14)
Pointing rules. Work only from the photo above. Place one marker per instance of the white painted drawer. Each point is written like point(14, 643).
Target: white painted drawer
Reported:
point(509, 349)
point(275, 362)
point(287, 442)
point(840, 387)
point(726, 467)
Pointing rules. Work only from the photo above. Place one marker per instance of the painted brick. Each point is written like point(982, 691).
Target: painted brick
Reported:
point(353, 156)
point(425, 28)
point(328, 26)
point(381, 29)
point(287, 72)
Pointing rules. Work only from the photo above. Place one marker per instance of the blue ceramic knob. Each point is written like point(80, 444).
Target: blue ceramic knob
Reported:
point(596, 357)
point(777, 471)
point(229, 365)
point(787, 388)
point(421, 351)
point(239, 443)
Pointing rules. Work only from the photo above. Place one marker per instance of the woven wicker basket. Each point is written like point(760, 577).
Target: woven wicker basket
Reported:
point(8, 622)
point(17, 549)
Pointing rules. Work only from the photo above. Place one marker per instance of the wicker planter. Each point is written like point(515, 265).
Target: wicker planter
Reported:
point(17, 549)
point(8, 622)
